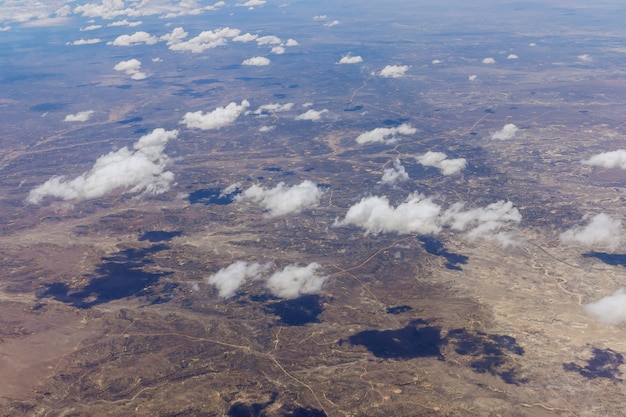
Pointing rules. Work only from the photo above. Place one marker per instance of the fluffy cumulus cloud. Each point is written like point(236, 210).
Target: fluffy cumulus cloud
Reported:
point(207, 39)
point(385, 134)
point(252, 3)
point(331, 24)
point(217, 119)
point(282, 200)
point(610, 309)
point(440, 160)
point(313, 115)
point(271, 108)
point(256, 61)
point(420, 214)
point(395, 174)
point(349, 59)
point(512, 56)
point(268, 40)
point(124, 22)
point(111, 9)
point(131, 67)
point(393, 71)
point(81, 116)
point(229, 280)
point(507, 132)
point(489, 61)
point(137, 169)
point(87, 41)
point(600, 230)
point(136, 38)
point(293, 281)
point(613, 159)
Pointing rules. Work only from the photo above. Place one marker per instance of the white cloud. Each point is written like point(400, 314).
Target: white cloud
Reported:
point(87, 41)
point(268, 40)
point(385, 134)
point(90, 27)
point(585, 58)
point(256, 61)
point(395, 174)
point(5, 28)
point(265, 129)
point(331, 24)
point(282, 200)
point(124, 22)
point(436, 61)
point(420, 214)
point(140, 169)
point(320, 17)
point(311, 114)
point(610, 309)
point(532, 44)
point(393, 71)
point(489, 61)
point(278, 50)
point(601, 230)
point(291, 42)
point(81, 116)
point(228, 280)
point(207, 39)
point(246, 37)
point(252, 3)
point(613, 159)
point(512, 56)
point(136, 38)
point(272, 108)
point(507, 132)
point(293, 281)
point(175, 36)
point(217, 119)
point(348, 59)
point(472, 77)
point(131, 67)
point(440, 160)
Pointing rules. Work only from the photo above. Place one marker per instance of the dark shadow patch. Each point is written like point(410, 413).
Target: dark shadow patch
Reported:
point(48, 107)
point(399, 309)
point(304, 412)
point(120, 276)
point(206, 81)
point(280, 96)
point(603, 364)
point(293, 86)
point(251, 410)
point(129, 121)
point(299, 311)
point(159, 236)
point(412, 341)
point(490, 353)
point(140, 131)
point(355, 108)
point(212, 196)
point(392, 122)
point(608, 258)
point(273, 169)
point(435, 247)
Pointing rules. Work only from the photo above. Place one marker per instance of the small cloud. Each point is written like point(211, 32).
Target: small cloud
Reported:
point(131, 67)
point(293, 281)
point(395, 174)
point(124, 23)
point(257, 61)
point(252, 3)
point(87, 41)
point(614, 159)
point(307, 104)
point(610, 309)
point(291, 42)
point(393, 71)
point(507, 132)
point(489, 61)
point(229, 280)
point(282, 200)
point(512, 56)
point(207, 39)
point(136, 38)
point(217, 119)
point(585, 58)
point(278, 50)
point(272, 108)
point(440, 160)
point(5, 28)
point(81, 116)
point(331, 24)
point(320, 17)
point(268, 40)
point(601, 230)
point(90, 27)
point(313, 115)
point(265, 129)
point(348, 59)
point(157, 59)
point(436, 61)
point(246, 37)
point(532, 44)
point(137, 169)
point(472, 77)
point(385, 134)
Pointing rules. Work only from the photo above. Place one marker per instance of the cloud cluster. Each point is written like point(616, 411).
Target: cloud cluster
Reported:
point(137, 169)
point(111, 9)
point(217, 119)
point(610, 309)
point(256, 61)
point(81, 116)
point(349, 59)
point(420, 214)
point(271, 108)
point(489, 61)
point(289, 282)
point(313, 115)
point(385, 134)
point(395, 174)
point(393, 71)
point(207, 39)
point(613, 159)
point(440, 160)
point(507, 132)
point(136, 38)
point(282, 200)
point(601, 230)
point(131, 67)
